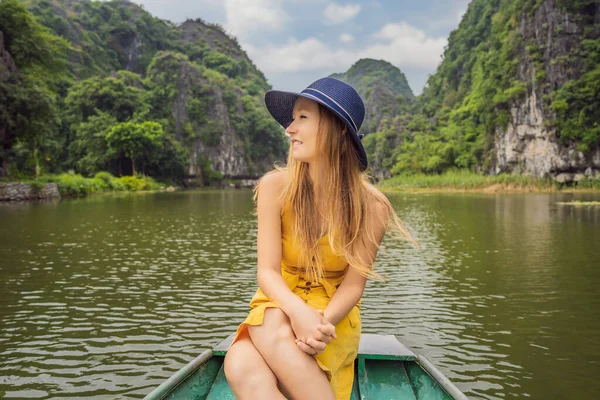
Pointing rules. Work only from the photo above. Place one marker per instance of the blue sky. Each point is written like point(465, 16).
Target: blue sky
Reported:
point(295, 42)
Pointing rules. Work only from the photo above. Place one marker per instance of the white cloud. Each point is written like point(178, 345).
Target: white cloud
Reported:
point(346, 38)
point(337, 13)
point(406, 46)
point(401, 44)
point(246, 17)
point(296, 56)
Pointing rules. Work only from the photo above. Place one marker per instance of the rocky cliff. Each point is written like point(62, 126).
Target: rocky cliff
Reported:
point(517, 91)
point(208, 91)
point(550, 57)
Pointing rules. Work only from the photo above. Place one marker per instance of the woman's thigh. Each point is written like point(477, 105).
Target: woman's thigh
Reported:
point(246, 370)
point(274, 340)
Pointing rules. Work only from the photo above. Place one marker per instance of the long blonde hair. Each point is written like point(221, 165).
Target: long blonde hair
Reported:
point(347, 193)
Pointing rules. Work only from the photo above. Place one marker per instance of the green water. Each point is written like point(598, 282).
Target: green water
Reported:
point(106, 297)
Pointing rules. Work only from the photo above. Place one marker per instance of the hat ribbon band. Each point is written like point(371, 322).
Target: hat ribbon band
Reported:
point(346, 113)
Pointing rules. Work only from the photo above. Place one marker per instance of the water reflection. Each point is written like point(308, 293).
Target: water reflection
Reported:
point(106, 297)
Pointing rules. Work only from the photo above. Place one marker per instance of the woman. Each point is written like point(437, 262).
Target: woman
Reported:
point(320, 224)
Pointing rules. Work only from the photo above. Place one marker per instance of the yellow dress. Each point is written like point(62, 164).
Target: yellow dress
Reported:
point(338, 358)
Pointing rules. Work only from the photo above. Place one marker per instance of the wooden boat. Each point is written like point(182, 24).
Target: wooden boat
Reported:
point(384, 369)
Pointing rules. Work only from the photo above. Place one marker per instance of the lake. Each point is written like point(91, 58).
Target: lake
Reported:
point(106, 297)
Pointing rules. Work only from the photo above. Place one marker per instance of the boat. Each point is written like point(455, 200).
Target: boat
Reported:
point(384, 369)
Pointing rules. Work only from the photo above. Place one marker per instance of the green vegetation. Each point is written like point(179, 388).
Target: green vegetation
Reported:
point(71, 184)
point(578, 203)
point(95, 86)
point(384, 89)
point(367, 74)
point(454, 122)
point(577, 103)
point(466, 180)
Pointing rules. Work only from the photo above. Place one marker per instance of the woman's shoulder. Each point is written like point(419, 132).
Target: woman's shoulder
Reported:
point(273, 180)
point(270, 187)
point(377, 202)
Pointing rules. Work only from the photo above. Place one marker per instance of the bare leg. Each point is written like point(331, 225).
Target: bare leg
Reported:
point(297, 371)
point(248, 374)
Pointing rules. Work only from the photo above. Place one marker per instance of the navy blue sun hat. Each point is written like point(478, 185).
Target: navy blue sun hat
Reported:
point(338, 97)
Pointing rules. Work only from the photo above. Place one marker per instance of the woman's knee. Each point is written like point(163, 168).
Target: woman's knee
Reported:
point(245, 368)
point(238, 361)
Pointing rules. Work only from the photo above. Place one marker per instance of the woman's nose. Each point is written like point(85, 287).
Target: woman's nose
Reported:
point(290, 129)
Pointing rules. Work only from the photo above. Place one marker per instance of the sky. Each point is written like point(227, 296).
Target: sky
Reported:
point(295, 42)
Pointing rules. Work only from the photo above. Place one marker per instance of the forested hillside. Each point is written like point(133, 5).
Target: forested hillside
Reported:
point(518, 91)
point(104, 86)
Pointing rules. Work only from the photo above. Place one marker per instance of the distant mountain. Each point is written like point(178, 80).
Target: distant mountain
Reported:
point(382, 86)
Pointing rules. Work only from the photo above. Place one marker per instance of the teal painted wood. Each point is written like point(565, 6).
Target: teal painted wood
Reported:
point(222, 347)
point(183, 375)
point(384, 369)
point(441, 379)
point(220, 389)
point(384, 379)
point(198, 385)
point(424, 387)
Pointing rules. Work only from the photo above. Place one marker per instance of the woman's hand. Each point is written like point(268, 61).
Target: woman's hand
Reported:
point(316, 345)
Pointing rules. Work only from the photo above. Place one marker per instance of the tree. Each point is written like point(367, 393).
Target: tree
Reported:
point(29, 108)
point(141, 142)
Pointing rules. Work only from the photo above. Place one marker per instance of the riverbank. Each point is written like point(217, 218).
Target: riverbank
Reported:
point(464, 181)
point(71, 185)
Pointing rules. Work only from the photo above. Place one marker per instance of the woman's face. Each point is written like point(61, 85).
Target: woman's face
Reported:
point(303, 130)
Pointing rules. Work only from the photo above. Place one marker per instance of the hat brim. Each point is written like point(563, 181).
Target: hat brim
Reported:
point(281, 106)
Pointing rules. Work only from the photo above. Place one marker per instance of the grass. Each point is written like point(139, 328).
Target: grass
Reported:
point(74, 185)
point(578, 203)
point(462, 180)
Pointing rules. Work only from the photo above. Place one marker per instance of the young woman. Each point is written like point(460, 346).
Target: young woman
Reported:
point(320, 224)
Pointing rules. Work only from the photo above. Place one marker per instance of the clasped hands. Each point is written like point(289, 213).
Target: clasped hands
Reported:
point(313, 331)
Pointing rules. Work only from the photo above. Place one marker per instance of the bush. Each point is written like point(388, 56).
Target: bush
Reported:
point(133, 183)
point(138, 182)
point(106, 177)
point(74, 185)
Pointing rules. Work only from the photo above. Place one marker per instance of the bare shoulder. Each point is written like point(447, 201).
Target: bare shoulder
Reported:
point(273, 178)
point(378, 205)
point(272, 181)
point(270, 187)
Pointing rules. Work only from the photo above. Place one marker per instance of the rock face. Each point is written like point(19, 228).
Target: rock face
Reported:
point(226, 156)
point(210, 117)
point(17, 191)
point(529, 145)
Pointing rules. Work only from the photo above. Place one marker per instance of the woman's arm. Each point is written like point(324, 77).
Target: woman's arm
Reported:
point(351, 289)
point(303, 319)
point(269, 244)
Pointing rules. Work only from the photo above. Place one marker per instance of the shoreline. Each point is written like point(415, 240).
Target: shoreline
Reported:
point(491, 189)
point(457, 181)
point(70, 186)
